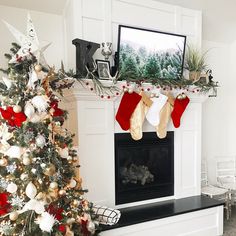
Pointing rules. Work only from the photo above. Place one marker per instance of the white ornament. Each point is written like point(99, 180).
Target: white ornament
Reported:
point(73, 183)
point(43, 165)
point(4, 137)
point(24, 176)
point(34, 205)
point(17, 108)
point(26, 161)
point(29, 110)
point(11, 188)
point(14, 152)
point(64, 152)
point(29, 43)
point(46, 222)
point(53, 185)
point(33, 170)
point(13, 215)
point(40, 102)
point(33, 78)
point(40, 141)
point(31, 190)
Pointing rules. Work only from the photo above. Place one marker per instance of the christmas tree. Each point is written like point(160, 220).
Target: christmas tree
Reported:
point(40, 190)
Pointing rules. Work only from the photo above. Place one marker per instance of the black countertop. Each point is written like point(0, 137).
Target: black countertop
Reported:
point(159, 210)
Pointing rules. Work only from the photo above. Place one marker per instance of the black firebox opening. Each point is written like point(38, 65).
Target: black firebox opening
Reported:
point(144, 169)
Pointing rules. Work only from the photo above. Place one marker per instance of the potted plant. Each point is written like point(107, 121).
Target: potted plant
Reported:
point(195, 62)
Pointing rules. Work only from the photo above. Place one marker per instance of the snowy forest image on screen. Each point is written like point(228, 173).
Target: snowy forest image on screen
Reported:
point(150, 54)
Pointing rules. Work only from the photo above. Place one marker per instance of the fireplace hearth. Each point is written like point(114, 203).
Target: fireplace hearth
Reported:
point(144, 169)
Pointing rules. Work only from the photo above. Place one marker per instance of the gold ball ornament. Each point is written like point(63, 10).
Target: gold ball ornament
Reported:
point(38, 68)
point(69, 159)
point(26, 161)
point(50, 170)
point(75, 203)
point(62, 192)
point(13, 215)
point(17, 108)
point(53, 185)
point(3, 162)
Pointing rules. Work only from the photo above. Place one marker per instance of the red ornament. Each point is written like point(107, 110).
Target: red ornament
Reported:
point(4, 204)
point(62, 228)
point(14, 119)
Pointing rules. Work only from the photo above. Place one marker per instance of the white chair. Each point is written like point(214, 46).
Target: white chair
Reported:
point(215, 192)
point(226, 172)
point(226, 175)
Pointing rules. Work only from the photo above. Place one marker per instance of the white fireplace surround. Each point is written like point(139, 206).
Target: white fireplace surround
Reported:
point(93, 119)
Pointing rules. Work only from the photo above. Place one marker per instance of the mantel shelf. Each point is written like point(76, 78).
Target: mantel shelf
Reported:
point(80, 92)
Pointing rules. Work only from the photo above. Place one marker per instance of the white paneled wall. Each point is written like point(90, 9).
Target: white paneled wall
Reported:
point(98, 20)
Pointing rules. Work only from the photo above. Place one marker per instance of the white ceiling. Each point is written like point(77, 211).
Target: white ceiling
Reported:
point(48, 6)
point(219, 18)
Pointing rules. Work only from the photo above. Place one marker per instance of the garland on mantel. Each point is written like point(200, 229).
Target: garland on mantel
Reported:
point(104, 89)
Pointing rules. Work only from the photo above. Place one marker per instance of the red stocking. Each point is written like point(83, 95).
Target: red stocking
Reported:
point(128, 103)
point(179, 108)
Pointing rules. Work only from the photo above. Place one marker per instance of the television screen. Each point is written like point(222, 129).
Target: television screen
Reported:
point(150, 54)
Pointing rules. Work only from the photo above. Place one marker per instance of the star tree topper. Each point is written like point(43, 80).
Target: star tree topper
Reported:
point(29, 43)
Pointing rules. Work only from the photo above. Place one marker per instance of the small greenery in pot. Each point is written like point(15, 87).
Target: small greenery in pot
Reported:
point(195, 62)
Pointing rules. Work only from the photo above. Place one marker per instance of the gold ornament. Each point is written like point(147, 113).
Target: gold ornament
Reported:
point(62, 192)
point(13, 215)
point(75, 203)
point(3, 162)
point(75, 159)
point(53, 185)
point(17, 108)
point(26, 161)
point(69, 159)
point(50, 170)
point(38, 68)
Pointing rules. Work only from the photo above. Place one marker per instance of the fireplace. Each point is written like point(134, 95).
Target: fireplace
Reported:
point(144, 169)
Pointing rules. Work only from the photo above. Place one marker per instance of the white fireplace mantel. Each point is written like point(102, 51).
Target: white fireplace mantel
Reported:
point(93, 120)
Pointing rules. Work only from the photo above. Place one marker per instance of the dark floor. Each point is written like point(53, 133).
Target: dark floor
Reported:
point(230, 225)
